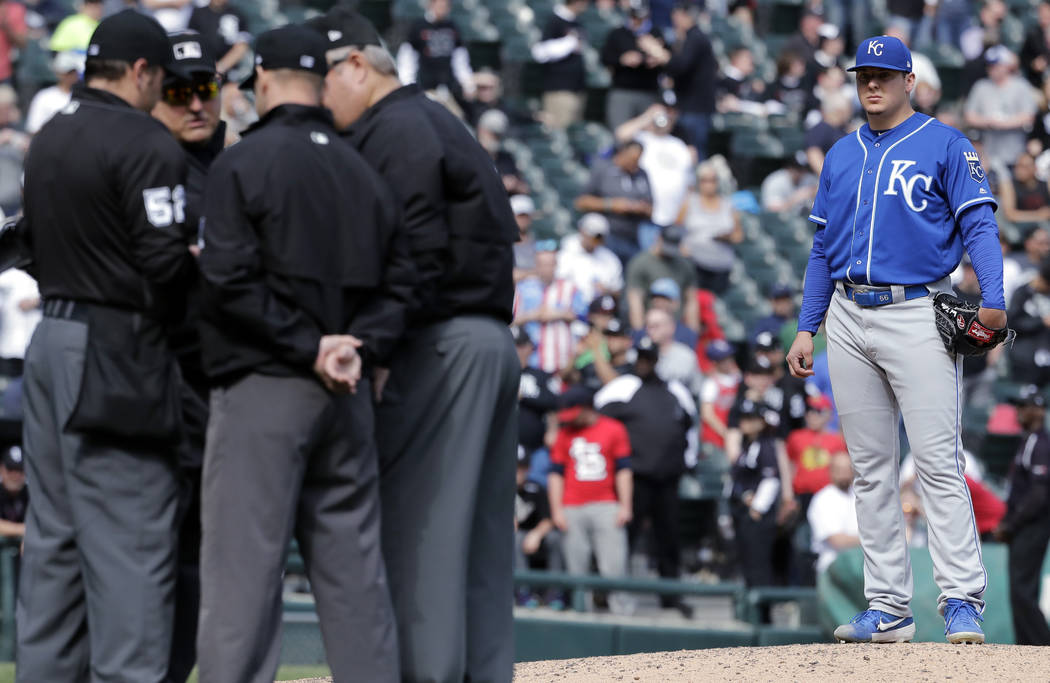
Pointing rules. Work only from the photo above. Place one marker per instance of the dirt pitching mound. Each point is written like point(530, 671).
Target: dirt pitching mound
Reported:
point(842, 662)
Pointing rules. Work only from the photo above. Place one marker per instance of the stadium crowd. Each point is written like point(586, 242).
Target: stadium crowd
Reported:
point(622, 323)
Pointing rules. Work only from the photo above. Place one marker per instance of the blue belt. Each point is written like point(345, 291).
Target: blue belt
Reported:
point(882, 295)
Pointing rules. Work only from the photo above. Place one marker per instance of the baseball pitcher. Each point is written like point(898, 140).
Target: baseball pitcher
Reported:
point(898, 202)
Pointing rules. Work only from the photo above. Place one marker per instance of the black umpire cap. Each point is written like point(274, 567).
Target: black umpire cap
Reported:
point(127, 36)
point(289, 47)
point(344, 27)
point(191, 53)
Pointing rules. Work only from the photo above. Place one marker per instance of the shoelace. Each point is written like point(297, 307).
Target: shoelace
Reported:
point(951, 611)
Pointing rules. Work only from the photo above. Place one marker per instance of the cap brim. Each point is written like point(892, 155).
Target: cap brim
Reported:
point(566, 415)
point(177, 70)
point(248, 83)
point(879, 65)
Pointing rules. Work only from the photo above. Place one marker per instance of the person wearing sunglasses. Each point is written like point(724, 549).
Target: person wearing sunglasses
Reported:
point(189, 107)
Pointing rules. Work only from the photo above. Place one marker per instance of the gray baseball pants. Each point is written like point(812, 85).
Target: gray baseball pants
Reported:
point(98, 573)
point(592, 529)
point(285, 456)
point(447, 429)
point(887, 361)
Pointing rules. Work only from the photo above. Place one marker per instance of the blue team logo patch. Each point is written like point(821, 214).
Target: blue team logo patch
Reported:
point(974, 162)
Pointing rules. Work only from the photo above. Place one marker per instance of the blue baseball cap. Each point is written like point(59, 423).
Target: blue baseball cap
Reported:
point(665, 287)
point(883, 52)
point(719, 349)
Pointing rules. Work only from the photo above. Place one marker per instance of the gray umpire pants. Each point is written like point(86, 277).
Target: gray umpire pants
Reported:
point(283, 455)
point(447, 432)
point(887, 361)
point(98, 573)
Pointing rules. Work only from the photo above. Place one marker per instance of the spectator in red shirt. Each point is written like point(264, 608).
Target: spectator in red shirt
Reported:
point(13, 33)
point(718, 393)
point(710, 330)
point(810, 450)
point(590, 489)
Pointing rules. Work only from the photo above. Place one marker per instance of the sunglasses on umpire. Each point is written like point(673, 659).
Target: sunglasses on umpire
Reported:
point(180, 93)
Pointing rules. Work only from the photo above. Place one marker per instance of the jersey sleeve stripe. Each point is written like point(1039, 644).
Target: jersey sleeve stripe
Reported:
point(971, 203)
point(818, 219)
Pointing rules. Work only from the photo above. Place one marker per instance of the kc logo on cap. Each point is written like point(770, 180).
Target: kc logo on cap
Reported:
point(883, 52)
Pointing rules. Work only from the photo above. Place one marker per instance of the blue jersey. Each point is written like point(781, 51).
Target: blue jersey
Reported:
point(889, 205)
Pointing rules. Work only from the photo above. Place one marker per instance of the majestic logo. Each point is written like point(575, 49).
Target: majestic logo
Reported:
point(907, 185)
point(875, 48)
point(974, 162)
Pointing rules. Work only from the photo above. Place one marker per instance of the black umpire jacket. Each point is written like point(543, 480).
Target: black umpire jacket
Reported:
point(105, 213)
point(185, 337)
point(457, 216)
point(301, 239)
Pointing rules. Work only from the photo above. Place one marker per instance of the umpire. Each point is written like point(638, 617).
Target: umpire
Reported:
point(447, 418)
point(189, 107)
point(1026, 525)
point(300, 250)
point(101, 387)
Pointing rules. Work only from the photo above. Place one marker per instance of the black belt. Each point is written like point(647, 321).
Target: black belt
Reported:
point(86, 312)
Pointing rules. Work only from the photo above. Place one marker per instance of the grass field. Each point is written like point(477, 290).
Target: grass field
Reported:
point(285, 673)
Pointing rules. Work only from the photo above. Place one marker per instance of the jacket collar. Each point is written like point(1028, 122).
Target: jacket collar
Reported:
point(909, 125)
point(86, 94)
point(291, 114)
point(403, 93)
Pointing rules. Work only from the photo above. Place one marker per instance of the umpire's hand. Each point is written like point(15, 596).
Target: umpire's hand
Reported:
point(800, 355)
point(338, 364)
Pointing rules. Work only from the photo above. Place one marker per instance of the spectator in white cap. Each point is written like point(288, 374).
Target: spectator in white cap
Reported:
point(585, 261)
point(47, 102)
point(524, 250)
point(491, 130)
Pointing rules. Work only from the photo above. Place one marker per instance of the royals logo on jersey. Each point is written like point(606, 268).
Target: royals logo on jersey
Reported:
point(974, 163)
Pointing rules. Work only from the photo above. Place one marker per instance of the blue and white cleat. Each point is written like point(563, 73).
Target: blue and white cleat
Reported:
point(960, 623)
point(876, 626)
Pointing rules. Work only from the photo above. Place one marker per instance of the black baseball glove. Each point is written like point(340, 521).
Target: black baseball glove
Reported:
point(961, 331)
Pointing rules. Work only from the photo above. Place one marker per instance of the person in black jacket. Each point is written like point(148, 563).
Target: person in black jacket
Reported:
point(635, 52)
point(190, 106)
point(560, 51)
point(755, 489)
point(660, 418)
point(694, 68)
point(447, 418)
point(101, 391)
point(1030, 316)
point(434, 56)
point(1026, 525)
point(306, 282)
point(537, 399)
